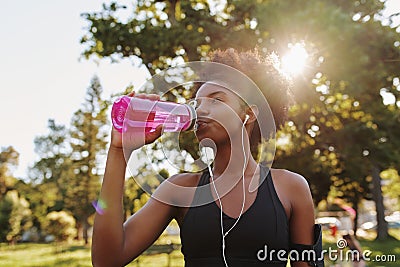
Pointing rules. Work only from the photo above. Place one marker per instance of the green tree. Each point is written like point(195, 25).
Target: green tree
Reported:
point(61, 225)
point(355, 54)
point(15, 216)
point(352, 55)
point(46, 189)
point(391, 187)
point(8, 160)
point(163, 32)
point(88, 132)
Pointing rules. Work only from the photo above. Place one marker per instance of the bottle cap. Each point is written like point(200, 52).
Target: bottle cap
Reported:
point(118, 112)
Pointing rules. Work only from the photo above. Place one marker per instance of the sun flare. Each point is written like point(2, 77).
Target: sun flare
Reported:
point(295, 60)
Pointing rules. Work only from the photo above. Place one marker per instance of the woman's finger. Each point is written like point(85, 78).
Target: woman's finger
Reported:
point(151, 137)
point(148, 96)
point(153, 97)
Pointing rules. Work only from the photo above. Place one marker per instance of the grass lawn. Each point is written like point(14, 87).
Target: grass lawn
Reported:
point(389, 250)
point(76, 255)
point(72, 255)
point(44, 255)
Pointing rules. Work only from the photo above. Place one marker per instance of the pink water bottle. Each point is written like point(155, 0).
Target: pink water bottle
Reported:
point(137, 113)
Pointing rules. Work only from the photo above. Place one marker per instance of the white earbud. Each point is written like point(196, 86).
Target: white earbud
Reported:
point(207, 150)
point(246, 119)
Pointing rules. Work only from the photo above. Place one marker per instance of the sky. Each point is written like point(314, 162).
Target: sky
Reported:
point(42, 73)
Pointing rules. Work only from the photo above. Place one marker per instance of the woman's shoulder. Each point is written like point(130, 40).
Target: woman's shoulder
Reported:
point(290, 184)
point(289, 179)
point(185, 179)
point(178, 190)
point(293, 190)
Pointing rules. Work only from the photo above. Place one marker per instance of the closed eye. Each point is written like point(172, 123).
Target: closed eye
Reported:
point(195, 103)
point(219, 99)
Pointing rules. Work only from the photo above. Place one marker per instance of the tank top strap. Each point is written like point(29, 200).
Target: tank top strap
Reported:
point(280, 218)
point(202, 194)
point(205, 178)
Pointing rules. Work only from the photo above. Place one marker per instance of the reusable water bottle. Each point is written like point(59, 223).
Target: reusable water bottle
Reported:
point(131, 113)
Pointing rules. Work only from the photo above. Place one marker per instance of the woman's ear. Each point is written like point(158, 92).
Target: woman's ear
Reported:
point(252, 112)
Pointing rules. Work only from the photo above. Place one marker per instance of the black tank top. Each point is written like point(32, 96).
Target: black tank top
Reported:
point(263, 226)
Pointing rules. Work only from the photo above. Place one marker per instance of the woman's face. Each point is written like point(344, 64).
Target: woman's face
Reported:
point(220, 113)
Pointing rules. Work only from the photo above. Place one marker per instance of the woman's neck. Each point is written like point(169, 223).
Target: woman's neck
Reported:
point(229, 159)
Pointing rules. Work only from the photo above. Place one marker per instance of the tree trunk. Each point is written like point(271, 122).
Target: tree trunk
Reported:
point(382, 228)
point(85, 225)
point(355, 219)
point(78, 230)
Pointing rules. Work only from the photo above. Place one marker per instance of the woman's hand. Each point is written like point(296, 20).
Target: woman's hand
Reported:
point(133, 140)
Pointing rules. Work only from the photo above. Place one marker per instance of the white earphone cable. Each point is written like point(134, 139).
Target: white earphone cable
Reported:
point(224, 234)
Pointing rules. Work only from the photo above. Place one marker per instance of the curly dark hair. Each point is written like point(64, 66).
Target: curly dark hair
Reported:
point(263, 71)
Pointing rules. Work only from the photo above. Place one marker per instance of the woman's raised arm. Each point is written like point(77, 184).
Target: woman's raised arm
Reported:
point(114, 242)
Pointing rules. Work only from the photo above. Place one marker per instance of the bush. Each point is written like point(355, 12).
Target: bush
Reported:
point(15, 217)
point(61, 225)
point(5, 213)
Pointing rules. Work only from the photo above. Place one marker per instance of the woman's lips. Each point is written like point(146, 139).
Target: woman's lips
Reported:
point(201, 123)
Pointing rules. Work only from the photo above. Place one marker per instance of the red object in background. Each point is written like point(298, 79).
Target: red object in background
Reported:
point(333, 228)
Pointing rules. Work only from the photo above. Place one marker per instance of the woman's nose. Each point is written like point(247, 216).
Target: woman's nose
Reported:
point(202, 110)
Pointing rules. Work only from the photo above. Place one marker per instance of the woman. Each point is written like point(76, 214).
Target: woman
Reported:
point(357, 252)
point(240, 227)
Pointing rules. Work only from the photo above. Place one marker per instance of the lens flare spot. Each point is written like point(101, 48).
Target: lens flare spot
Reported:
point(99, 206)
